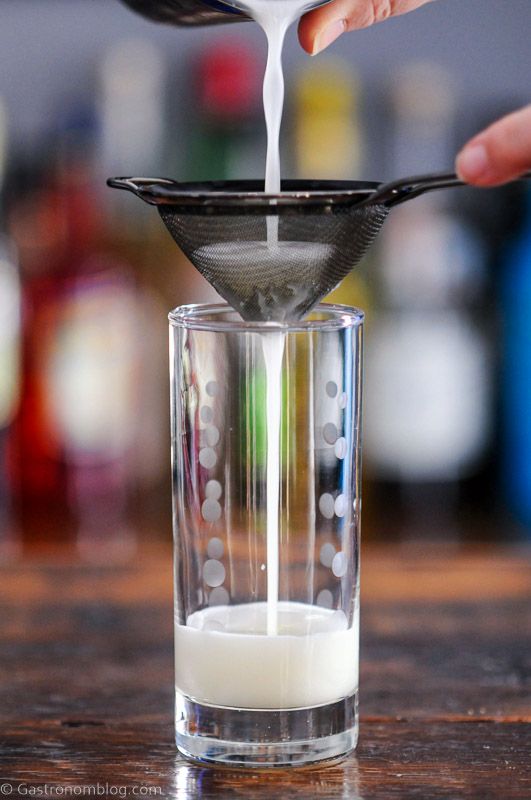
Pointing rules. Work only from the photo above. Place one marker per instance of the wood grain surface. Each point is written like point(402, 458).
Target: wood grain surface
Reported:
point(86, 683)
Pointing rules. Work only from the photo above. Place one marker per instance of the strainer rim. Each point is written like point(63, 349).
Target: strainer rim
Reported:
point(248, 195)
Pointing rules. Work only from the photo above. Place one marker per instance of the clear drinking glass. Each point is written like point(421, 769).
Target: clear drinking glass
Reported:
point(266, 477)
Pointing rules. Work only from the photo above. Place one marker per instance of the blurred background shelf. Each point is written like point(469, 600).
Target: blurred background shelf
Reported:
point(87, 276)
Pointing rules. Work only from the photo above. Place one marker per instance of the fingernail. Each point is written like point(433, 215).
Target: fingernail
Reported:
point(472, 162)
point(329, 35)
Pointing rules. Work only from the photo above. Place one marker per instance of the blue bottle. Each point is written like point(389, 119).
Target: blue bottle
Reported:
point(516, 389)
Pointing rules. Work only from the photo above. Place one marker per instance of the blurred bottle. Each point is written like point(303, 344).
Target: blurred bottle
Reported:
point(9, 356)
point(327, 108)
point(131, 110)
point(9, 383)
point(329, 144)
point(228, 131)
point(134, 136)
point(428, 394)
point(71, 440)
point(90, 384)
point(516, 387)
point(39, 227)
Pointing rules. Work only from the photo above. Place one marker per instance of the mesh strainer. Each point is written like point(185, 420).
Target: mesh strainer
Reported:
point(274, 257)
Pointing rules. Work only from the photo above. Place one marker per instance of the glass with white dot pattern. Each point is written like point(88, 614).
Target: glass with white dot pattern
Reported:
point(249, 693)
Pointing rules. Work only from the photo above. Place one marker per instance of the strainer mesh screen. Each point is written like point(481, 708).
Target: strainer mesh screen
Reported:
point(275, 267)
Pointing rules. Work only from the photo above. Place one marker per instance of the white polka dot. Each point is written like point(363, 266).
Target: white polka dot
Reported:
point(331, 389)
point(263, 567)
point(213, 490)
point(326, 505)
point(340, 565)
point(342, 402)
point(340, 448)
point(206, 414)
point(325, 598)
point(330, 433)
point(212, 436)
point(218, 597)
point(213, 572)
point(341, 505)
point(212, 388)
point(326, 554)
point(215, 547)
point(211, 510)
point(207, 457)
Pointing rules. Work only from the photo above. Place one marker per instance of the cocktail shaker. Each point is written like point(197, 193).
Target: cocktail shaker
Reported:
point(187, 12)
point(198, 12)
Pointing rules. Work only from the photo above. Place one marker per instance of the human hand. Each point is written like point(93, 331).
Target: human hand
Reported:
point(498, 154)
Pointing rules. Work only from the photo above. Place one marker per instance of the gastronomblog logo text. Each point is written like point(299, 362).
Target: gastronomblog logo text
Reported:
point(70, 790)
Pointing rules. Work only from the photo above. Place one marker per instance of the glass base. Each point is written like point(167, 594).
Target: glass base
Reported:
point(262, 739)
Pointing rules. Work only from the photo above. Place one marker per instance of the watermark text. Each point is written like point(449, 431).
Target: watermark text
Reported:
point(18, 789)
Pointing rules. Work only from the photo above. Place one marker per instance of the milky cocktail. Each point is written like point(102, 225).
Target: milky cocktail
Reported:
point(266, 534)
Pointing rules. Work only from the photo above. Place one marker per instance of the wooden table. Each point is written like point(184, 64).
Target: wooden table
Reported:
point(86, 690)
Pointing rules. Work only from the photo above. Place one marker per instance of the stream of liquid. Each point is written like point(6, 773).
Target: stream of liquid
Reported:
point(273, 345)
point(274, 17)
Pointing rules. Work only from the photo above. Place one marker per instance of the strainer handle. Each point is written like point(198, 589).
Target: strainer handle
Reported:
point(141, 187)
point(391, 194)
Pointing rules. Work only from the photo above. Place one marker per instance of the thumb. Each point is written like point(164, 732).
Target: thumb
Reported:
point(320, 27)
point(498, 154)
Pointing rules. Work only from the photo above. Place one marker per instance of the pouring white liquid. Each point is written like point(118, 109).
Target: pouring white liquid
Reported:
point(273, 345)
point(274, 17)
point(276, 654)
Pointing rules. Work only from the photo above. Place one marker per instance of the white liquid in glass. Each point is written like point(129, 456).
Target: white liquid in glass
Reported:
point(225, 657)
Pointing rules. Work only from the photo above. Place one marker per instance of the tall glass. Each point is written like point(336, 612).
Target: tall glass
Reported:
point(266, 477)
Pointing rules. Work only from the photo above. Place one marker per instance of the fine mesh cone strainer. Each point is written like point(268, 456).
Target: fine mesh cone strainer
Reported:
point(274, 257)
